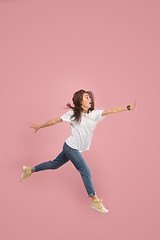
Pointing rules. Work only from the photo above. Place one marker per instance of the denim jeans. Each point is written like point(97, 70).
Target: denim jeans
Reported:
point(78, 161)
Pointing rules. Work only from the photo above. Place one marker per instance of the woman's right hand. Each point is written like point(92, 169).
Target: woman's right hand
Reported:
point(36, 127)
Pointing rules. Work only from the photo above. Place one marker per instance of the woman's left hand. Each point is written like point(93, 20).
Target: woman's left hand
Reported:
point(133, 107)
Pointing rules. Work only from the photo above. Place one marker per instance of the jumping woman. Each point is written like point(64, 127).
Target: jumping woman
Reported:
point(83, 119)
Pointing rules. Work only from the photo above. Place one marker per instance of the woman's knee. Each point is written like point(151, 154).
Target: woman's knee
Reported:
point(53, 164)
point(89, 172)
point(85, 172)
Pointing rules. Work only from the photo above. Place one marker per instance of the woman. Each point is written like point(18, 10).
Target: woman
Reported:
point(83, 119)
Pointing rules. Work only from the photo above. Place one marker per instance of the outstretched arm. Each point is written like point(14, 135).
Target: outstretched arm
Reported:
point(49, 123)
point(115, 110)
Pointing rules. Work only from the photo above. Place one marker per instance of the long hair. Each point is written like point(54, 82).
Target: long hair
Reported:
point(77, 108)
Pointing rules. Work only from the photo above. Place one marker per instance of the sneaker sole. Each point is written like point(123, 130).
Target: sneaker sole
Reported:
point(22, 173)
point(100, 210)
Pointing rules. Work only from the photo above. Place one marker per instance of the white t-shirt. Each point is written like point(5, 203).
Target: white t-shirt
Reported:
point(81, 133)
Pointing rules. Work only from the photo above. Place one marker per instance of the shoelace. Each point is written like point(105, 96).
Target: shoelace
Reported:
point(27, 172)
point(99, 201)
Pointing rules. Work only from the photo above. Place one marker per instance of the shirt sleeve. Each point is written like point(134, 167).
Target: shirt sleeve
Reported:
point(98, 115)
point(66, 117)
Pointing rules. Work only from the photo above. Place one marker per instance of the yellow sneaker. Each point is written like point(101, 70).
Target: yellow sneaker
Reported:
point(98, 205)
point(26, 172)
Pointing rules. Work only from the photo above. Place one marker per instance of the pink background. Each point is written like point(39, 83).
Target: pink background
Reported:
point(48, 50)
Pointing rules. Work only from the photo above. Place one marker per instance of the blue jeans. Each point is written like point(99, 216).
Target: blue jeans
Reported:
point(78, 161)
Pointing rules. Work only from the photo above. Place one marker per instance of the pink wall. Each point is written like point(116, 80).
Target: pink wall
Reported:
point(49, 50)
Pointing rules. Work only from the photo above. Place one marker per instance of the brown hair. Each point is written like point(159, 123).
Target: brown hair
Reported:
point(77, 99)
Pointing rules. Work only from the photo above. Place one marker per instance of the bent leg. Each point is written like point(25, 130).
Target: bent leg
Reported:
point(78, 161)
point(56, 163)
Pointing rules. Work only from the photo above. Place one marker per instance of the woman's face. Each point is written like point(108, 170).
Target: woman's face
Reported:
point(86, 102)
